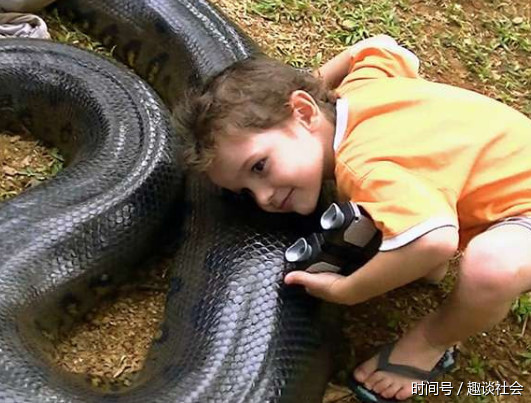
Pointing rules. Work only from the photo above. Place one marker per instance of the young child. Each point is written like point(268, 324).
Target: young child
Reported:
point(437, 168)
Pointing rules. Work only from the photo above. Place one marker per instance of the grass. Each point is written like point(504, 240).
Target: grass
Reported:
point(488, 45)
point(521, 308)
point(64, 31)
point(25, 162)
point(476, 366)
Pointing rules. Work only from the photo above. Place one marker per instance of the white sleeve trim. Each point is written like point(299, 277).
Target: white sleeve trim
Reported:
point(341, 121)
point(387, 43)
point(417, 231)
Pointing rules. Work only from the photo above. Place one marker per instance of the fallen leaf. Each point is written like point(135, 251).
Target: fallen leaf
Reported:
point(26, 161)
point(8, 170)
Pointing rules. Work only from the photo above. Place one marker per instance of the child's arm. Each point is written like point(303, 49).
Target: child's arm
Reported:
point(334, 70)
point(337, 68)
point(384, 272)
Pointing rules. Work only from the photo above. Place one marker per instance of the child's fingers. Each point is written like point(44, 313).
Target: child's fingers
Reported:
point(300, 278)
point(320, 285)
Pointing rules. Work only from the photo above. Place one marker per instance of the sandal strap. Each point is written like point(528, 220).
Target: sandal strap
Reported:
point(442, 366)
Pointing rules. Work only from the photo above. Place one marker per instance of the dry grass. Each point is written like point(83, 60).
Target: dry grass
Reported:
point(25, 162)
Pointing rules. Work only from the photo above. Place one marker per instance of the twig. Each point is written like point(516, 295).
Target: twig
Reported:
point(123, 366)
point(339, 398)
point(499, 374)
point(524, 326)
point(152, 287)
point(338, 388)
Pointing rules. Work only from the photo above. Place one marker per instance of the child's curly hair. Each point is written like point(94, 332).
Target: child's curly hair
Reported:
point(250, 94)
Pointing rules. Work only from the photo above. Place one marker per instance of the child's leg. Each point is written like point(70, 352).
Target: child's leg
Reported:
point(495, 269)
point(436, 275)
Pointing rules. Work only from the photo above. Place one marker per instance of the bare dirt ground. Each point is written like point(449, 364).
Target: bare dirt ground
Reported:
point(480, 45)
point(25, 162)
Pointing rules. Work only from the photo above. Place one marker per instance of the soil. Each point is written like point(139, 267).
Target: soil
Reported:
point(25, 162)
point(111, 343)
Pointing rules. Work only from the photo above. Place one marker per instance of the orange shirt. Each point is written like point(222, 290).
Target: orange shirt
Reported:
point(419, 155)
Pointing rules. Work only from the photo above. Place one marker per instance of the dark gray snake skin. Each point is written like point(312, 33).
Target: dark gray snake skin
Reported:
point(232, 332)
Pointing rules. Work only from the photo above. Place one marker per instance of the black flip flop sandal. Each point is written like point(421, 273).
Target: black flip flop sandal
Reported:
point(444, 365)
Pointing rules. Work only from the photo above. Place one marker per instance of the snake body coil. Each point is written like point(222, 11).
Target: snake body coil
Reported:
point(232, 332)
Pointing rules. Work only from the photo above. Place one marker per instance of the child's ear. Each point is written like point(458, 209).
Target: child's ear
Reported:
point(304, 108)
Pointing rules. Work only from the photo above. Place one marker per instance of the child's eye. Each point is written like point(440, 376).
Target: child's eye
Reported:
point(259, 166)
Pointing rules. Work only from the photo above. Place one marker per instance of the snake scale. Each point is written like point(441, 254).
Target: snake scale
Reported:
point(232, 332)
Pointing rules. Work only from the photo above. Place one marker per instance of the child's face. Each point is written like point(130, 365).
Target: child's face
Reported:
point(282, 167)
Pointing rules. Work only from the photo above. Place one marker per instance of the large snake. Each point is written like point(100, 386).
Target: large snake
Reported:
point(232, 332)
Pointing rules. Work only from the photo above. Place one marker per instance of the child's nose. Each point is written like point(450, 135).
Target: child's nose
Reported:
point(263, 196)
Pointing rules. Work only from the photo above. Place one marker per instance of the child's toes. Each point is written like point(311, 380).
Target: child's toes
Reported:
point(363, 371)
point(404, 393)
point(374, 379)
point(360, 374)
point(382, 385)
point(391, 391)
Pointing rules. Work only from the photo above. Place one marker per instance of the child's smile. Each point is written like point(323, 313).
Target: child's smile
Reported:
point(282, 167)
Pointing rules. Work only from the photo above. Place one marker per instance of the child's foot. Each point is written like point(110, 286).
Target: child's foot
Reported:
point(412, 350)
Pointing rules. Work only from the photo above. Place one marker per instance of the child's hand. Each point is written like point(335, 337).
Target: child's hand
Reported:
point(331, 287)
